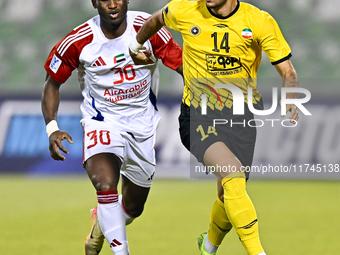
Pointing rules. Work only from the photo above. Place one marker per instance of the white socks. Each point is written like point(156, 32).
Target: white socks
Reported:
point(209, 247)
point(112, 221)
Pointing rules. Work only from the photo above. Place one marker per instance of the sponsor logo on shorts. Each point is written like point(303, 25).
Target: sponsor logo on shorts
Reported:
point(151, 177)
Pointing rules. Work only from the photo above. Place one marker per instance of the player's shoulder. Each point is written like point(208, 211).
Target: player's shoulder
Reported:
point(137, 18)
point(188, 2)
point(85, 29)
point(78, 38)
point(89, 25)
point(253, 11)
point(183, 6)
point(255, 17)
point(137, 15)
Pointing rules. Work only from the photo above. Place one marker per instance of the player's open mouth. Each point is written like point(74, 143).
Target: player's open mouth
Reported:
point(114, 14)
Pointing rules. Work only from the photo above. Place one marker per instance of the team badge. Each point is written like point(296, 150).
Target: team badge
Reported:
point(195, 30)
point(246, 33)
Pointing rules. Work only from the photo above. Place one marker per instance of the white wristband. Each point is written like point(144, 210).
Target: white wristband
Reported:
point(135, 46)
point(51, 127)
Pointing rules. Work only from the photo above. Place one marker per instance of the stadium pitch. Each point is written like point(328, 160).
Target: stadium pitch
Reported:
point(51, 216)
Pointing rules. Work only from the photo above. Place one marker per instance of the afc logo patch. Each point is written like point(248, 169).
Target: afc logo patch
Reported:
point(55, 64)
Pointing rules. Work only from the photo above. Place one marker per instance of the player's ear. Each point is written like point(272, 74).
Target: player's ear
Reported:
point(94, 3)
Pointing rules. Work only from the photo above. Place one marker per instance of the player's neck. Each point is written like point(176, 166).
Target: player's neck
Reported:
point(226, 9)
point(112, 31)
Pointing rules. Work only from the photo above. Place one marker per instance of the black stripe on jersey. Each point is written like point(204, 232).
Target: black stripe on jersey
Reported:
point(282, 59)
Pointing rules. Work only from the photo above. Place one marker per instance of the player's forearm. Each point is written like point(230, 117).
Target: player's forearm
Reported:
point(50, 100)
point(289, 77)
point(150, 27)
point(290, 80)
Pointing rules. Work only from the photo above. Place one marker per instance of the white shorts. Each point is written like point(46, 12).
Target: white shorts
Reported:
point(138, 157)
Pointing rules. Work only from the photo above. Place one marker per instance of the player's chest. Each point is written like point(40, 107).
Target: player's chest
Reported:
point(234, 38)
point(108, 64)
point(99, 57)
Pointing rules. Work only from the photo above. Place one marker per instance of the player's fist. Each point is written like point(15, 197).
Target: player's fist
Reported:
point(143, 57)
point(294, 112)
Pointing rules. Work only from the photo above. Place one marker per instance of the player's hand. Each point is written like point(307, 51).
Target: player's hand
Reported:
point(143, 57)
point(55, 144)
point(294, 112)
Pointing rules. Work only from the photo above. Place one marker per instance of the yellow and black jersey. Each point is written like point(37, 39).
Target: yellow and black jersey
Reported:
point(223, 50)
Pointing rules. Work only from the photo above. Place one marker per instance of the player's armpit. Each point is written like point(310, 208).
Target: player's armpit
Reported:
point(180, 69)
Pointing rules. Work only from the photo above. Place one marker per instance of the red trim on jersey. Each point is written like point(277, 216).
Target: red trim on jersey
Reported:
point(68, 51)
point(164, 47)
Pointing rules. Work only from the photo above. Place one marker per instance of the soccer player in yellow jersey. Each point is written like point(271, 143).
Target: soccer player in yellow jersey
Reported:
point(222, 44)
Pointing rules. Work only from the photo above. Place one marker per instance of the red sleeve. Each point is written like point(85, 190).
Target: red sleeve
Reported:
point(64, 57)
point(164, 47)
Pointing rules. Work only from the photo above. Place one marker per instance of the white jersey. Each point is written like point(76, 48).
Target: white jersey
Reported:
point(115, 90)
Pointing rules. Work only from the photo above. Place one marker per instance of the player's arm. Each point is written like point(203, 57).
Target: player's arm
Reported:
point(49, 104)
point(149, 28)
point(290, 80)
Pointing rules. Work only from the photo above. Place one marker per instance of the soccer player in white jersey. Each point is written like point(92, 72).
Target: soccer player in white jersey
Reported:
point(119, 115)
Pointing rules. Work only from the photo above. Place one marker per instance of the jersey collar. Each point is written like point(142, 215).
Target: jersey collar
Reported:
point(230, 14)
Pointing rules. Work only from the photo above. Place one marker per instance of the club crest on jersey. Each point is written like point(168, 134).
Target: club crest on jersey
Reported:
point(55, 64)
point(119, 58)
point(195, 30)
point(247, 33)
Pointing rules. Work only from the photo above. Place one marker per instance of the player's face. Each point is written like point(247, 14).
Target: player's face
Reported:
point(216, 3)
point(112, 12)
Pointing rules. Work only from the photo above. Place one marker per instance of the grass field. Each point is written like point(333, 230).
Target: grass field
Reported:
point(51, 216)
